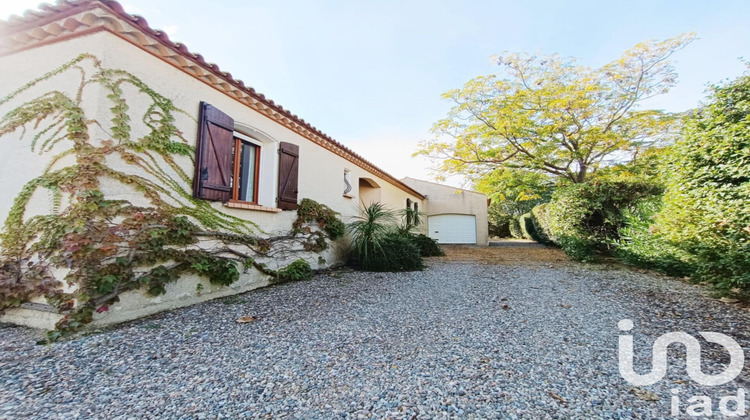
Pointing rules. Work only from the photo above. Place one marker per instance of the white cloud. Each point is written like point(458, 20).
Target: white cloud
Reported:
point(171, 31)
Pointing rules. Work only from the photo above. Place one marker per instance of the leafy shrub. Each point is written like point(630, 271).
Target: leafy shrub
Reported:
point(428, 247)
point(297, 270)
point(515, 228)
point(584, 218)
point(638, 245)
point(378, 245)
point(218, 270)
point(310, 210)
point(578, 247)
point(708, 189)
point(397, 253)
point(541, 225)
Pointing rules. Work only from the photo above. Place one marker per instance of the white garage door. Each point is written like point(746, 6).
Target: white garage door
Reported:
point(453, 228)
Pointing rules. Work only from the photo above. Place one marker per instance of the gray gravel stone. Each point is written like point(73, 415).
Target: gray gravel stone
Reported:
point(456, 340)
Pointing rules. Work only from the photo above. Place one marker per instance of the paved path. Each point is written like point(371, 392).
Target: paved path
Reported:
point(482, 333)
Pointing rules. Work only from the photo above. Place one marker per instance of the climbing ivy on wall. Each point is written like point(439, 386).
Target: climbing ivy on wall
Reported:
point(105, 246)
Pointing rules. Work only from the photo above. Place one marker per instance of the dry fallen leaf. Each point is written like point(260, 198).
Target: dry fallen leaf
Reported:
point(643, 394)
point(558, 398)
point(679, 381)
point(246, 319)
point(729, 300)
point(565, 306)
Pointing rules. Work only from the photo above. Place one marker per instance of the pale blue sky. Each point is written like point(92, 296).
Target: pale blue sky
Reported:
point(370, 74)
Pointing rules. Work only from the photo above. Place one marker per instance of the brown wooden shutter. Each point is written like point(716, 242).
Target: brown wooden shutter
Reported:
point(288, 175)
point(213, 159)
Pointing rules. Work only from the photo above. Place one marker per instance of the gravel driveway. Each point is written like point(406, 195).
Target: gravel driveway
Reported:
point(472, 336)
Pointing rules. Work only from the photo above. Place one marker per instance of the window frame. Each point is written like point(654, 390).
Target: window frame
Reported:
point(238, 140)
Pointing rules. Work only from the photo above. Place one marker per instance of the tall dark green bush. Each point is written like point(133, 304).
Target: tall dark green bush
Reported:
point(707, 203)
point(515, 228)
point(583, 219)
point(527, 226)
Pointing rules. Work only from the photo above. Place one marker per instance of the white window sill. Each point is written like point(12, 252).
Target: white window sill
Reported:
point(250, 206)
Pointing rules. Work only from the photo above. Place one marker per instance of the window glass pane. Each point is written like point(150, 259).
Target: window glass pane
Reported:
point(248, 172)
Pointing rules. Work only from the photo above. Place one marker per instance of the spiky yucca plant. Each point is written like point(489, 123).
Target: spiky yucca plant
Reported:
point(369, 230)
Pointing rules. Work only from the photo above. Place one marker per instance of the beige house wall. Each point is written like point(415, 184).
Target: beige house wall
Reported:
point(321, 171)
point(443, 199)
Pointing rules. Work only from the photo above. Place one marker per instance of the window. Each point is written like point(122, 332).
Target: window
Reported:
point(412, 214)
point(246, 167)
point(347, 184)
point(233, 167)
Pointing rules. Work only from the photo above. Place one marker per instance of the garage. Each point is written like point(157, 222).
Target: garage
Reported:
point(453, 228)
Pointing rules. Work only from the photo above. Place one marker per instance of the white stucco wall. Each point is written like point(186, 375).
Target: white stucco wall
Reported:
point(321, 171)
point(443, 199)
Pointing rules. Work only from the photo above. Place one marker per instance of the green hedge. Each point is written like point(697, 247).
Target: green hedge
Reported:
point(395, 253)
point(515, 228)
point(541, 224)
point(531, 227)
point(583, 219)
point(640, 245)
point(527, 227)
point(707, 203)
